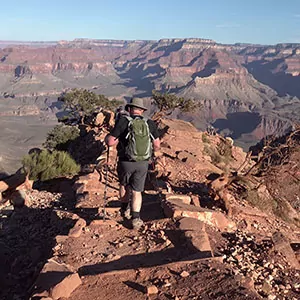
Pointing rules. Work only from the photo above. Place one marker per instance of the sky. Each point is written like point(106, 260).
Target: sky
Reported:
point(225, 21)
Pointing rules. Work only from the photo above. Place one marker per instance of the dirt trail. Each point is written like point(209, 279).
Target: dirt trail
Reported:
point(183, 251)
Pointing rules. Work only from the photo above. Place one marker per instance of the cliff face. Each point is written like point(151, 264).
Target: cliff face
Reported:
point(227, 79)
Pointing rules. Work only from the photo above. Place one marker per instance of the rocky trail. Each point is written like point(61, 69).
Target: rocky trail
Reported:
point(58, 246)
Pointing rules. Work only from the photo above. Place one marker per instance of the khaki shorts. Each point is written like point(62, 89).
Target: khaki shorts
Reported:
point(133, 173)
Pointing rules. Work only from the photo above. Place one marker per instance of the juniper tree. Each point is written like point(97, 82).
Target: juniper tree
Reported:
point(167, 103)
point(81, 102)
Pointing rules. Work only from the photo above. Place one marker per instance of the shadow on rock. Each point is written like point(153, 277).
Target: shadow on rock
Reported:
point(27, 238)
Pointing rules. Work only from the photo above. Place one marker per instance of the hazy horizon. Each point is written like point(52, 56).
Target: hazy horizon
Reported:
point(168, 38)
point(229, 22)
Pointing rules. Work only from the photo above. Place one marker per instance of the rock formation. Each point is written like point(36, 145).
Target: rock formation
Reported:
point(252, 85)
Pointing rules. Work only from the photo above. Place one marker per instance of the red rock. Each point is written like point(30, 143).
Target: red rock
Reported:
point(184, 274)
point(282, 245)
point(82, 199)
point(77, 229)
point(19, 198)
point(65, 288)
point(78, 188)
point(52, 274)
point(196, 236)
point(61, 238)
point(99, 120)
point(185, 224)
point(195, 200)
point(151, 290)
point(112, 210)
point(183, 198)
point(101, 222)
point(175, 209)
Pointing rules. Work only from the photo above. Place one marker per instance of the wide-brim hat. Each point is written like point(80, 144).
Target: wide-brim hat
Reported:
point(136, 102)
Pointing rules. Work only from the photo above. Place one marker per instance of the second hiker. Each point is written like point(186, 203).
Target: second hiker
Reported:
point(136, 137)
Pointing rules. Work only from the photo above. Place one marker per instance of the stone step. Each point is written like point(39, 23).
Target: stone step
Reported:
point(196, 237)
point(177, 209)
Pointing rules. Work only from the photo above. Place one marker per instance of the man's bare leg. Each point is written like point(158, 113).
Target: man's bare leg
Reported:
point(136, 201)
point(136, 206)
point(125, 193)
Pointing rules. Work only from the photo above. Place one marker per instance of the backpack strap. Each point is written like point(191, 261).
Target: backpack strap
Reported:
point(146, 120)
point(129, 119)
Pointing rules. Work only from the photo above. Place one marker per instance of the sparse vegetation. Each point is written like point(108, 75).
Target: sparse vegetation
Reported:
point(205, 139)
point(213, 153)
point(253, 198)
point(167, 103)
point(60, 137)
point(80, 103)
point(224, 148)
point(44, 165)
point(222, 153)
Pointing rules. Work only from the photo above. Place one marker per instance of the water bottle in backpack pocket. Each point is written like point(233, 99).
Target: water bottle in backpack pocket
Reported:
point(139, 139)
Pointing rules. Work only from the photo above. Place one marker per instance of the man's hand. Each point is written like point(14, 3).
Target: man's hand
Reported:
point(111, 140)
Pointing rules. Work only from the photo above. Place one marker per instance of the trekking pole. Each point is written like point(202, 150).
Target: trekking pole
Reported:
point(105, 186)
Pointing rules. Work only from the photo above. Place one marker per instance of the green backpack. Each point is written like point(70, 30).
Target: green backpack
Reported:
point(139, 144)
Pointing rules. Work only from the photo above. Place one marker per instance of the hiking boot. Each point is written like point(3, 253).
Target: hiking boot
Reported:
point(137, 223)
point(126, 214)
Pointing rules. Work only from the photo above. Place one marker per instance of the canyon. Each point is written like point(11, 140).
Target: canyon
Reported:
point(246, 91)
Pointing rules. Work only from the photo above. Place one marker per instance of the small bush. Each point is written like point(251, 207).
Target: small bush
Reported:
point(60, 137)
point(224, 148)
point(253, 198)
point(205, 138)
point(45, 165)
point(214, 154)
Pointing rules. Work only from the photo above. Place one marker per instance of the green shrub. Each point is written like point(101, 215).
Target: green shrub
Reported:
point(224, 148)
point(214, 154)
point(60, 137)
point(44, 165)
point(205, 138)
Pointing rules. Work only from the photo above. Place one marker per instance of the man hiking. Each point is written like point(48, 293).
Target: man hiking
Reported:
point(136, 137)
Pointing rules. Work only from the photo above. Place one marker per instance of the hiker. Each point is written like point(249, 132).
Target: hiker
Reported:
point(136, 137)
point(211, 130)
point(121, 112)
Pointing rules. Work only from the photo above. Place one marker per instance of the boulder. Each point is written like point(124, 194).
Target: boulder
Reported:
point(65, 288)
point(282, 245)
point(177, 209)
point(18, 198)
point(12, 181)
point(99, 120)
point(186, 199)
point(56, 281)
point(77, 229)
point(196, 236)
point(151, 290)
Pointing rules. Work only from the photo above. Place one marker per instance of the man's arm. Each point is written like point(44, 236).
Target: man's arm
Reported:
point(156, 144)
point(155, 135)
point(112, 138)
